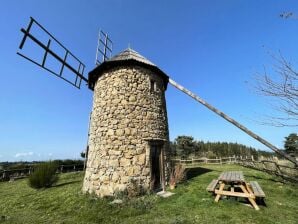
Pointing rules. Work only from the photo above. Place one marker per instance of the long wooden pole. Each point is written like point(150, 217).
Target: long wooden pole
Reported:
point(231, 120)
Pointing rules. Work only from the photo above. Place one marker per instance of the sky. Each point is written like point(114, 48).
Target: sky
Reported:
point(214, 48)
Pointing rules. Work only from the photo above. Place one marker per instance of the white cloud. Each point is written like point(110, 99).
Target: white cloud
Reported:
point(23, 154)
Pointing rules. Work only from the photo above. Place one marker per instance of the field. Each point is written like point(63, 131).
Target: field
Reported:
point(64, 203)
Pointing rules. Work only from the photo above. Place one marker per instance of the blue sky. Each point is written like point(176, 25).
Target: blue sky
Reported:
point(211, 47)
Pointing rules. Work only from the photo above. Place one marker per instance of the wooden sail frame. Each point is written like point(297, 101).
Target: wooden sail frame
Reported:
point(78, 72)
point(232, 121)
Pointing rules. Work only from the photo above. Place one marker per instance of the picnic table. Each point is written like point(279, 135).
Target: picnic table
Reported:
point(232, 183)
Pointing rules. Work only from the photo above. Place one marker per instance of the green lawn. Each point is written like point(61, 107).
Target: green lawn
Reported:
point(65, 203)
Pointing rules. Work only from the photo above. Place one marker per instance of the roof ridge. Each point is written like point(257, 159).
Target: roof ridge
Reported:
point(130, 54)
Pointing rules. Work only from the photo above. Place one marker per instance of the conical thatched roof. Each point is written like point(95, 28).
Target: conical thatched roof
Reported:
point(126, 57)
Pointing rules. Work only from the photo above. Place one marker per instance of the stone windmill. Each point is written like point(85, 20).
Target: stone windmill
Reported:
point(128, 137)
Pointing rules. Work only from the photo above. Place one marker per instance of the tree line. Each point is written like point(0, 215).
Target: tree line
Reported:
point(188, 147)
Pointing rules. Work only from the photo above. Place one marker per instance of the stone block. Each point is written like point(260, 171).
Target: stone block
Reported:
point(115, 177)
point(110, 132)
point(119, 132)
point(114, 163)
point(125, 162)
point(132, 98)
point(127, 131)
point(141, 159)
point(124, 179)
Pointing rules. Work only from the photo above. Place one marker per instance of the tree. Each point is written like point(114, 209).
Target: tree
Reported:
point(291, 144)
point(83, 154)
point(282, 90)
point(184, 145)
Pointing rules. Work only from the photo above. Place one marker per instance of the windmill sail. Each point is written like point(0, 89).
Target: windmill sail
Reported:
point(70, 68)
point(104, 47)
point(231, 120)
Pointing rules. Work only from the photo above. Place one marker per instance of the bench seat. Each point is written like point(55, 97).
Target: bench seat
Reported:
point(211, 187)
point(256, 188)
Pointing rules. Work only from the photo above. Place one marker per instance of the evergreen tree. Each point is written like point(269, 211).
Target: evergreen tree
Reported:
point(291, 144)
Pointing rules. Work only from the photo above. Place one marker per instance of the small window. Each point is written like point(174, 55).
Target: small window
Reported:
point(152, 85)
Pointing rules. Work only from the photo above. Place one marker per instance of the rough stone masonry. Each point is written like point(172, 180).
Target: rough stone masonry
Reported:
point(128, 116)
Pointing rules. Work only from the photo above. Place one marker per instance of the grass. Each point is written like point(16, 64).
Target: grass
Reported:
point(64, 203)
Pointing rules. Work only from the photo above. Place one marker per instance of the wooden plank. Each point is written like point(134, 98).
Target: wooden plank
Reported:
point(211, 187)
point(248, 188)
point(221, 176)
point(222, 185)
point(258, 191)
point(235, 194)
point(241, 176)
point(234, 122)
point(251, 200)
point(232, 176)
point(229, 176)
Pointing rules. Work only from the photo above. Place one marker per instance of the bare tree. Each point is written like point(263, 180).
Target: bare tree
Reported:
point(282, 91)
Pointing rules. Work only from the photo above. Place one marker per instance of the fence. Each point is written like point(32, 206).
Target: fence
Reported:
point(269, 166)
point(194, 162)
point(272, 167)
point(6, 175)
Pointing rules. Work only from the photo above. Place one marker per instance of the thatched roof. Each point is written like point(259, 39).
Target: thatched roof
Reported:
point(126, 57)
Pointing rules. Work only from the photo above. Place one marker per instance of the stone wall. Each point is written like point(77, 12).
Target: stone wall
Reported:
point(126, 113)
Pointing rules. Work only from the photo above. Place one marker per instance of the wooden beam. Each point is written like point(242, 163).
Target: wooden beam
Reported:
point(222, 185)
point(251, 200)
point(162, 168)
point(235, 194)
point(234, 122)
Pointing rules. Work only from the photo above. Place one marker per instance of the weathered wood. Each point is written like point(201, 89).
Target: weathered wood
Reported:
point(232, 176)
point(234, 179)
point(248, 188)
point(162, 171)
point(235, 194)
point(234, 122)
point(211, 187)
point(251, 198)
point(222, 185)
point(256, 188)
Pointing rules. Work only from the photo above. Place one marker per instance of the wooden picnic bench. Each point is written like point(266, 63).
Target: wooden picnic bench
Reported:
point(211, 187)
point(232, 183)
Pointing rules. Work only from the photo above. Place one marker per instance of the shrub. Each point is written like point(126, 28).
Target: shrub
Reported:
point(44, 175)
point(177, 174)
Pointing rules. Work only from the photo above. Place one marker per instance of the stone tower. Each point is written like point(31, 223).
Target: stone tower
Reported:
point(128, 137)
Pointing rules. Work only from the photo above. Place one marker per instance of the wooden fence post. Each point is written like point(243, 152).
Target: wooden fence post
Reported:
point(278, 168)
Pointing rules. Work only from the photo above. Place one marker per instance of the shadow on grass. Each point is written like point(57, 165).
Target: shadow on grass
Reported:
point(66, 183)
point(194, 172)
point(243, 201)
